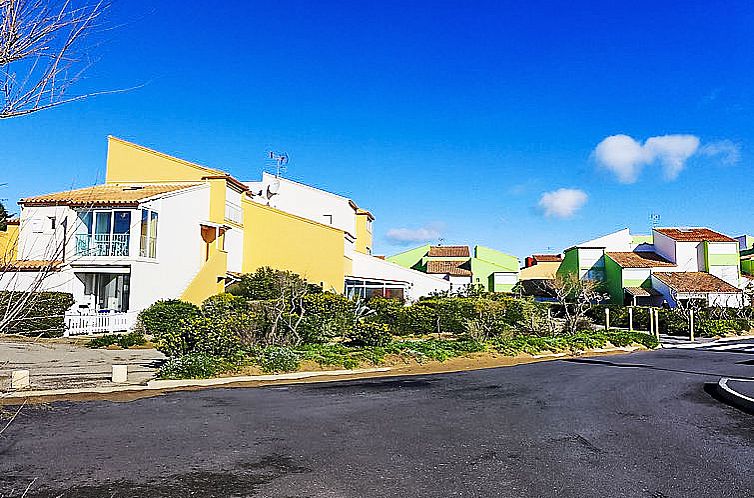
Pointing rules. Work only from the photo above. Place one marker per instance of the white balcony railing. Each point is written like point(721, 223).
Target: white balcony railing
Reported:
point(233, 212)
point(99, 323)
point(102, 245)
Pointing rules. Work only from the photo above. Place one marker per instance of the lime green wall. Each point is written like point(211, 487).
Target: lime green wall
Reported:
point(747, 266)
point(570, 264)
point(642, 239)
point(411, 258)
point(614, 280)
point(502, 260)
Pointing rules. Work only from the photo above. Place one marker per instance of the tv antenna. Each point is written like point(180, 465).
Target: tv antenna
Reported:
point(440, 241)
point(281, 162)
point(654, 220)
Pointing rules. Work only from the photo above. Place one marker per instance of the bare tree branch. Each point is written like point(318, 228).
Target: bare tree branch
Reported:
point(43, 52)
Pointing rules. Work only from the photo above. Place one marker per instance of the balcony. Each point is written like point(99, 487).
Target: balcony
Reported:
point(234, 213)
point(102, 245)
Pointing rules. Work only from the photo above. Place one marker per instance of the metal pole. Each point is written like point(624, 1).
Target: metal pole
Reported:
point(657, 324)
point(607, 319)
point(691, 324)
point(630, 319)
point(651, 321)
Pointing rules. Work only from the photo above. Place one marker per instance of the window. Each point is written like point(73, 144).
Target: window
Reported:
point(148, 248)
point(53, 222)
point(596, 274)
point(328, 219)
point(103, 233)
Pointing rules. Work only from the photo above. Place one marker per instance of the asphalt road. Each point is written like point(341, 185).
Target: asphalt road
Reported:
point(639, 425)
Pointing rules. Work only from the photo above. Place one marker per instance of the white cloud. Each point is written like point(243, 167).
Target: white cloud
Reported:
point(404, 236)
point(622, 155)
point(625, 157)
point(672, 151)
point(729, 152)
point(562, 203)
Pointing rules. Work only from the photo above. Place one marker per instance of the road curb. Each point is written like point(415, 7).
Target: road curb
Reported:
point(735, 398)
point(159, 385)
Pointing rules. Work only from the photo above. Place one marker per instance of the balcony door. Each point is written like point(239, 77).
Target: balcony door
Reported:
point(106, 292)
point(103, 233)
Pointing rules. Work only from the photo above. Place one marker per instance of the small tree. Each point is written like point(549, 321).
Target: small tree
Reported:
point(576, 297)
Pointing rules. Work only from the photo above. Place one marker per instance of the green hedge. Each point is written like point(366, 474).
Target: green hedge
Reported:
point(44, 314)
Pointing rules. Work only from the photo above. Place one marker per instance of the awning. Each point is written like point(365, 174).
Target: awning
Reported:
point(641, 292)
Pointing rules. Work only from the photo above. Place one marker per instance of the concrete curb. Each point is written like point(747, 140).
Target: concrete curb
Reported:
point(700, 343)
point(735, 398)
point(158, 385)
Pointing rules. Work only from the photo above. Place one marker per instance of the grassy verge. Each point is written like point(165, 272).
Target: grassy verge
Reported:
point(283, 359)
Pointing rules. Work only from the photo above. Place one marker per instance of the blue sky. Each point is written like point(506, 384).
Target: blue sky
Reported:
point(446, 119)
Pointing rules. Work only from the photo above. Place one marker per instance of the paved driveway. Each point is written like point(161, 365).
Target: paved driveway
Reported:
point(60, 365)
point(638, 425)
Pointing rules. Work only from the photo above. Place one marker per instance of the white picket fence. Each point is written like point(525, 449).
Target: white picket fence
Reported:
point(99, 323)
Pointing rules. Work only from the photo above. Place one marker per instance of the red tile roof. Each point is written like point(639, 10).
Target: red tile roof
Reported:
point(547, 258)
point(111, 195)
point(694, 235)
point(695, 281)
point(639, 259)
point(448, 268)
point(449, 252)
point(32, 265)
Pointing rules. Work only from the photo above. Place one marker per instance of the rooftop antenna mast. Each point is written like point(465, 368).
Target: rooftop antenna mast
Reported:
point(281, 162)
point(654, 220)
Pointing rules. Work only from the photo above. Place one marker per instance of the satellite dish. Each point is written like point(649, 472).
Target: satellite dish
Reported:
point(273, 188)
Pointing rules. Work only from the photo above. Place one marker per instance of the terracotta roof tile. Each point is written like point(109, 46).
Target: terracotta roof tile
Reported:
point(641, 292)
point(119, 195)
point(33, 265)
point(547, 258)
point(639, 259)
point(695, 281)
point(694, 235)
point(448, 268)
point(449, 252)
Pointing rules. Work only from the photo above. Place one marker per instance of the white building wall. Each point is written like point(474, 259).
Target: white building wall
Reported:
point(37, 240)
point(179, 248)
point(418, 284)
point(664, 245)
point(636, 273)
point(234, 247)
point(619, 241)
point(308, 202)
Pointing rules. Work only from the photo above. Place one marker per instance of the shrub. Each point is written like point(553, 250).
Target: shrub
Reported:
point(163, 317)
point(326, 316)
point(196, 366)
point(124, 341)
point(44, 314)
point(387, 310)
point(276, 359)
point(267, 283)
point(370, 334)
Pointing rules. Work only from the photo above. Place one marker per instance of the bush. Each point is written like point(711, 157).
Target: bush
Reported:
point(370, 334)
point(124, 341)
point(267, 283)
point(44, 315)
point(326, 316)
point(196, 366)
point(435, 349)
point(163, 320)
point(277, 359)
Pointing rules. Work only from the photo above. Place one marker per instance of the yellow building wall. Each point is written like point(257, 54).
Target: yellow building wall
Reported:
point(363, 234)
point(9, 244)
point(131, 163)
point(210, 280)
point(287, 242)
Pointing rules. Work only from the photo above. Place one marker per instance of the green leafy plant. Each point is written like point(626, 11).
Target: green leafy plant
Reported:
point(164, 320)
point(196, 366)
point(277, 359)
point(124, 341)
point(370, 334)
